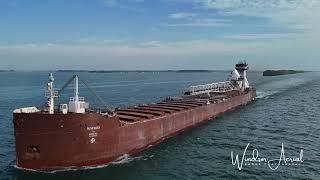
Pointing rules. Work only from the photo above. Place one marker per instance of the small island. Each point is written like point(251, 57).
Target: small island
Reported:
point(280, 72)
point(7, 70)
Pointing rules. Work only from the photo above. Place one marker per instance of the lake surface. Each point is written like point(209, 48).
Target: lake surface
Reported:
point(287, 111)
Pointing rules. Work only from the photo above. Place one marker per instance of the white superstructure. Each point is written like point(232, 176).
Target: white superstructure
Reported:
point(77, 104)
point(242, 68)
point(27, 110)
point(236, 81)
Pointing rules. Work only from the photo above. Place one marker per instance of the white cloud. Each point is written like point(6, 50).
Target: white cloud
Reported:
point(290, 13)
point(123, 4)
point(92, 40)
point(50, 44)
point(197, 53)
point(149, 48)
point(150, 44)
point(291, 27)
point(202, 22)
point(182, 15)
point(111, 3)
point(262, 36)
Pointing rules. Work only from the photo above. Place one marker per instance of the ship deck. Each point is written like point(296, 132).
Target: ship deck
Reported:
point(169, 106)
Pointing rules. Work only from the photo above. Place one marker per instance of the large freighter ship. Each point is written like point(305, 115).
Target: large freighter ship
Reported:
point(74, 136)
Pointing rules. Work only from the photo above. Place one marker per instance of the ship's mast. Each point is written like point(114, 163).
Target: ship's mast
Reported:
point(76, 88)
point(50, 94)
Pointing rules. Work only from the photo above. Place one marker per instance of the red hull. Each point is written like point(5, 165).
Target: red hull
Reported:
point(58, 141)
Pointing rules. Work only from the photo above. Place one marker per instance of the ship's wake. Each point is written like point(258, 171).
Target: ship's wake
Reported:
point(265, 94)
point(125, 159)
point(267, 88)
point(121, 160)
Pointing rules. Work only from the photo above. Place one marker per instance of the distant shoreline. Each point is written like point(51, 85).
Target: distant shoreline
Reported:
point(7, 70)
point(142, 71)
point(265, 73)
point(281, 72)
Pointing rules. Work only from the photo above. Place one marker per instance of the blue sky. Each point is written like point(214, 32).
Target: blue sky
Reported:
point(159, 34)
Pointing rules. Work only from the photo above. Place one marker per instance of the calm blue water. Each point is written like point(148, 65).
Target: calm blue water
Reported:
point(286, 111)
